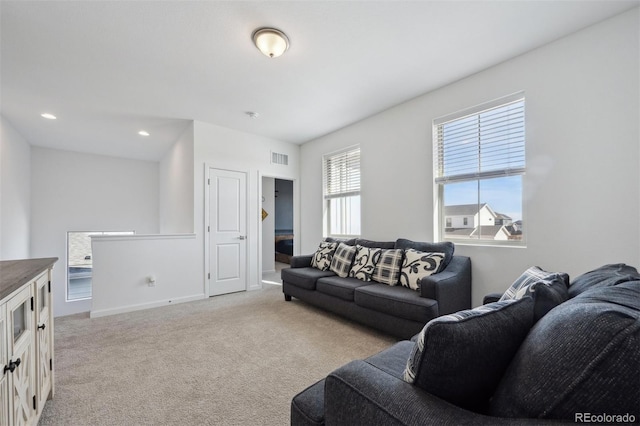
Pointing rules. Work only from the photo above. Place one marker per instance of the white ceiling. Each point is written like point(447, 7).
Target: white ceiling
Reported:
point(110, 68)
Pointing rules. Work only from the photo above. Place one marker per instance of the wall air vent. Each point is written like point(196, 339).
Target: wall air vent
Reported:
point(277, 158)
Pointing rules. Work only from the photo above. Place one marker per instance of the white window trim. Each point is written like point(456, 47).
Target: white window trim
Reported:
point(438, 188)
point(326, 198)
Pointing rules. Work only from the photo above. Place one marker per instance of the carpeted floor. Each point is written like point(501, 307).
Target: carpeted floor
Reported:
point(236, 359)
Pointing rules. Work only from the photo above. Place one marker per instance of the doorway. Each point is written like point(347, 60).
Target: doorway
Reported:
point(277, 224)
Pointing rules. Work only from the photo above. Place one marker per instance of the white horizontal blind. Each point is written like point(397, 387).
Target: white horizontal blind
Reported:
point(486, 144)
point(341, 172)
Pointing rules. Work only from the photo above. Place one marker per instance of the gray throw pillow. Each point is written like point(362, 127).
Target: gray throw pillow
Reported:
point(548, 289)
point(342, 259)
point(387, 270)
point(461, 357)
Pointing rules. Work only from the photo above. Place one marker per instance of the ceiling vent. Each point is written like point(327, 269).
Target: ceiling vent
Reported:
point(277, 158)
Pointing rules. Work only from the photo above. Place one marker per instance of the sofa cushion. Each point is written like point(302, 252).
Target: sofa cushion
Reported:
point(417, 265)
point(393, 359)
point(548, 289)
point(364, 262)
point(582, 357)
point(461, 357)
point(387, 270)
point(304, 277)
point(307, 407)
point(375, 244)
point(342, 288)
point(397, 301)
point(605, 276)
point(342, 259)
point(349, 242)
point(446, 247)
point(322, 258)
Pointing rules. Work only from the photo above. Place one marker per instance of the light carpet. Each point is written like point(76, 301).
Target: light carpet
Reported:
point(236, 359)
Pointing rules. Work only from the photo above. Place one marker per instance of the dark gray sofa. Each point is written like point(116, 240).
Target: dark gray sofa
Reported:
point(579, 363)
point(395, 310)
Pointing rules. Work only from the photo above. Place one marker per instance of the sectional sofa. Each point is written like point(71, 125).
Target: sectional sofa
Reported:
point(546, 353)
point(376, 292)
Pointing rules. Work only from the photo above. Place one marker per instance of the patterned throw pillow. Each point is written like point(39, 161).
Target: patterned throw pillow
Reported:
point(322, 257)
point(365, 262)
point(462, 357)
point(548, 289)
point(418, 264)
point(387, 270)
point(342, 258)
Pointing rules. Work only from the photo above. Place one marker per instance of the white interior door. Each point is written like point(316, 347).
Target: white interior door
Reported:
point(227, 231)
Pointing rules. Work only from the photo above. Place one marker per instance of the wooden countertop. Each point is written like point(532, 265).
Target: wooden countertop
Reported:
point(15, 273)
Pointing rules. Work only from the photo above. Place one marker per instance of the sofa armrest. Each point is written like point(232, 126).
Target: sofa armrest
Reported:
point(451, 287)
point(301, 261)
point(491, 297)
point(359, 393)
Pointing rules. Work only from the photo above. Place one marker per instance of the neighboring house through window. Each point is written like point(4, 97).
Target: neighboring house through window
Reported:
point(479, 159)
point(341, 182)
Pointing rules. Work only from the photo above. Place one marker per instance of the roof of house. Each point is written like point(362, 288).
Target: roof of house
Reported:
point(460, 232)
point(462, 209)
point(489, 231)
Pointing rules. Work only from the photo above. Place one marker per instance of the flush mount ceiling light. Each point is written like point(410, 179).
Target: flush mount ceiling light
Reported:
point(143, 133)
point(48, 116)
point(252, 114)
point(270, 41)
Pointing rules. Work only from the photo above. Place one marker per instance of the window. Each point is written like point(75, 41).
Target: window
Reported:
point(341, 181)
point(80, 263)
point(479, 159)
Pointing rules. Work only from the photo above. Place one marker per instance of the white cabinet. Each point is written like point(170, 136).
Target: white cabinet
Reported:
point(26, 340)
point(20, 367)
point(44, 340)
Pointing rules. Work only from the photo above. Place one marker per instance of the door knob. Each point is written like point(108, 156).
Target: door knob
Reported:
point(41, 327)
point(242, 237)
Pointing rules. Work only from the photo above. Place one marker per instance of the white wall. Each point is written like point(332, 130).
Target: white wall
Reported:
point(229, 149)
point(176, 186)
point(122, 266)
point(84, 192)
point(583, 155)
point(268, 225)
point(15, 193)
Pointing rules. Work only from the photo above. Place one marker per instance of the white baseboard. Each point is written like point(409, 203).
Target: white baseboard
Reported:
point(142, 306)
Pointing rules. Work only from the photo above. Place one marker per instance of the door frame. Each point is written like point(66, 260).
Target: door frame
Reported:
point(207, 235)
point(296, 216)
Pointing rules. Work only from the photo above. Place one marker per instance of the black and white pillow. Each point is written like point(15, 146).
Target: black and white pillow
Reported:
point(365, 262)
point(417, 265)
point(322, 257)
point(387, 270)
point(342, 259)
point(548, 289)
point(462, 357)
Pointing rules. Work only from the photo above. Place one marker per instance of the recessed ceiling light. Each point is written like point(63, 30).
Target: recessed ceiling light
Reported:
point(143, 133)
point(48, 116)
